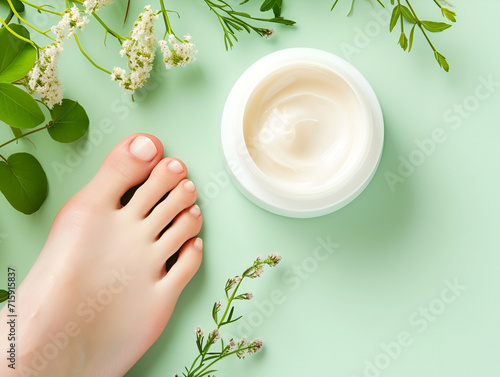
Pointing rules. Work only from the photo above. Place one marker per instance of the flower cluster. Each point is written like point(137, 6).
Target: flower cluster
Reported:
point(257, 268)
point(179, 54)
point(43, 80)
point(223, 314)
point(248, 348)
point(71, 20)
point(94, 5)
point(140, 51)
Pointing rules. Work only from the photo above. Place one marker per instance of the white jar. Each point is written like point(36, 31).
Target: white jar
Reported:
point(302, 132)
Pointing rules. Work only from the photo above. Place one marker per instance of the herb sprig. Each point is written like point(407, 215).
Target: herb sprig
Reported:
point(203, 364)
point(232, 20)
point(405, 14)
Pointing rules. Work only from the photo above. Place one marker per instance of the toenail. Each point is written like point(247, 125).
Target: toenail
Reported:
point(143, 148)
point(195, 211)
point(189, 186)
point(198, 243)
point(175, 166)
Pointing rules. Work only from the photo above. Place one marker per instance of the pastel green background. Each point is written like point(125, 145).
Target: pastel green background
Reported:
point(396, 249)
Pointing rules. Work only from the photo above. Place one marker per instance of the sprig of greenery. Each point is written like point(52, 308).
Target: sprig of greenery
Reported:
point(233, 21)
point(405, 14)
point(203, 364)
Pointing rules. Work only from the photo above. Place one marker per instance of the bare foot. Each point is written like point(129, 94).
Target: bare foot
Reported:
point(103, 269)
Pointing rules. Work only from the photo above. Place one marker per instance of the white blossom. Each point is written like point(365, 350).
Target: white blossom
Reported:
point(95, 5)
point(140, 51)
point(118, 74)
point(178, 54)
point(71, 20)
point(43, 80)
point(199, 331)
point(214, 335)
point(274, 259)
point(255, 346)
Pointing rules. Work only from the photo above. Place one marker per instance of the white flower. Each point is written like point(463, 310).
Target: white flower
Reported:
point(71, 20)
point(179, 54)
point(43, 80)
point(274, 259)
point(199, 331)
point(255, 346)
point(248, 296)
point(257, 273)
point(118, 74)
point(140, 50)
point(214, 335)
point(231, 345)
point(269, 33)
point(95, 5)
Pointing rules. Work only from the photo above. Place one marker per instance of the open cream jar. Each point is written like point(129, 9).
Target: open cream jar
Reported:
point(302, 132)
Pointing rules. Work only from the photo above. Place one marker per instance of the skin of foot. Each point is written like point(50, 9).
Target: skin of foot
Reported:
point(99, 294)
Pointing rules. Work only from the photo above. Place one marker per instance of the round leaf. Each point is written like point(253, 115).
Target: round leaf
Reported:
point(4, 295)
point(17, 57)
point(69, 122)
point(23, 182)
point(17, 108)
point(18, 5)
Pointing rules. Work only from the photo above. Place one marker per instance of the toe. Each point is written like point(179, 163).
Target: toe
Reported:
point(180, 198)
point(185, 226)
point(164, 177)
point(127, 165)
point(187, 264)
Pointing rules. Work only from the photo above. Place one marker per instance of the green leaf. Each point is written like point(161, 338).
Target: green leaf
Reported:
point(411, 37)
point(435, 27)
point(450, 15)
point(23, 182)
point(4, 295)
point(277, 8)
point(442, 61)
point(394, 18)
point(18, 5)
point(17, 57)
point(408, 14)
point(17, 108)
point(267, 5)
point(17, 132)
point(403, 41)
point(69, 122)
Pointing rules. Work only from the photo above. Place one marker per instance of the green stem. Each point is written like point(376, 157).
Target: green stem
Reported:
point(17, 35)
point(117, 36)
point(168, 27)
point(26, 22)
point(42, 8)
point(219, 358)
point(9, 17)
point(419, 23)
point(26, 134)
point(88, 57)
point(439, 5)
point(209, 343)
point(3, 158)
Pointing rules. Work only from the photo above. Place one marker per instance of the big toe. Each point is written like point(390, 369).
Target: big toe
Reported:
point(127, 165)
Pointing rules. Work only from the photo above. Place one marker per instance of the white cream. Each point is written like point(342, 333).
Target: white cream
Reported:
point(303, 127)
point(302, 132)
